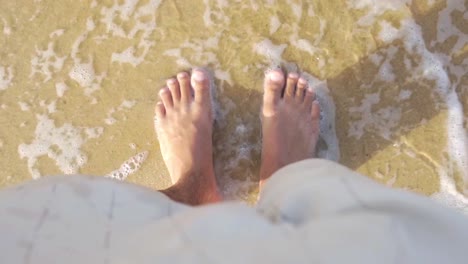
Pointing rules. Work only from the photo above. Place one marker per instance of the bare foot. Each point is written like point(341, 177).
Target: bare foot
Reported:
point(290, 122)
point(184, 125)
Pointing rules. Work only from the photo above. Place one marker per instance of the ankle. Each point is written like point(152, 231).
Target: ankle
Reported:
point(192, 190)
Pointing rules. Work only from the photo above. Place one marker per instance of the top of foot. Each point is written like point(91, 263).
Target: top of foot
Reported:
point(290, 121)
point(184, 127)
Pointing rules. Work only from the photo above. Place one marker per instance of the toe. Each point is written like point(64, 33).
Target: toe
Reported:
point(175, 89)
point(166, 97)
point(291, 85)
point(273, 87)
point(315, 110)
point(309, 98)
point(201, 85)
point(185, 89)
point(160, 111)
point(301, 86)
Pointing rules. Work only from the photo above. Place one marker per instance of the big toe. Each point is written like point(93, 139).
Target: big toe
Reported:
point(201, 85)
point(273, 87)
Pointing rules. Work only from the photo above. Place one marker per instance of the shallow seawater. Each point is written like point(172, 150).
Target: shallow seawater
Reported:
point(79, 81)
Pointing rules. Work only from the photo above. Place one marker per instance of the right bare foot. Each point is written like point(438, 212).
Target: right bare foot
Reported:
point(184, 128)
point(290, 122)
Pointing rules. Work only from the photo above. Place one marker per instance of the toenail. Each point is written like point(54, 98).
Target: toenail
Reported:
point(276, 76)
point(302, 81)
point(199, 76)
point(182, 75)
point(293, 75)
point(171, 81)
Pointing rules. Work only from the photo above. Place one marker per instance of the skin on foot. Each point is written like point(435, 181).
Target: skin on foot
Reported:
point(290, 122)
point(184, 125)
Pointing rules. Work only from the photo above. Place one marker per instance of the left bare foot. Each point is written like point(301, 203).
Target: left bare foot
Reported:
point(184, 127)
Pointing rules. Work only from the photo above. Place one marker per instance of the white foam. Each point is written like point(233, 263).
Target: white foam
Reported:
point(386, 69)
point(449, 195)
point(376, 58)
point(129, 167)
point(404, 94)
point(83, 72)
point(297, 9)
point(271, 51)
point(274, 24)
point(94, 132)
point(62, 144)
point(375, 8)
point(85, 75)
point(201, 55)
point(431, 66)
point(388, 33)
point(126, 104)
point(223, 76)
point(180, 60)
point(56, 33)
point(327, 119)
point(61, 88)
point(46, 62)
point(128, 56)
point(382, 121)
point(311, 11)
point(6, 28)
point(6, 77)
point(457, 136)
point(52, 107)
point(24, 106)
point(215, 10)
point(144, 18)
point(446, 27)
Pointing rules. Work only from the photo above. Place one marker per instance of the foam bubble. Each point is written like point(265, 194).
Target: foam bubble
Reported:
point(60, 88)
point(83, 73)
point(130, 166)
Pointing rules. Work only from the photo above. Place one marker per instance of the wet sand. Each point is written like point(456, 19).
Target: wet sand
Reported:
point(79, 81)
